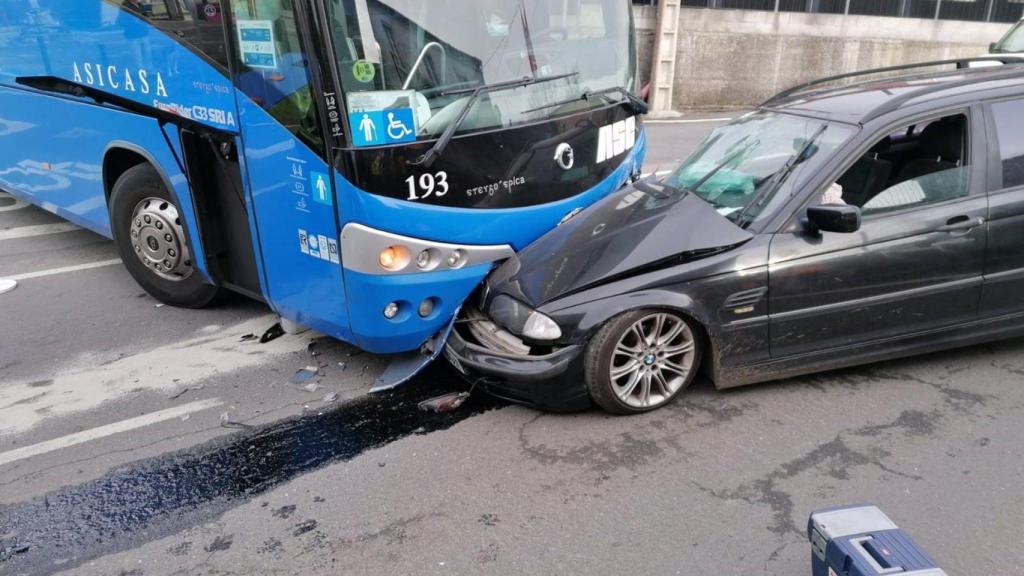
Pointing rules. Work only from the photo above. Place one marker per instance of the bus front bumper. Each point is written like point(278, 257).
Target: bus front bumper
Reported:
point(396, 309)
point(369, 295)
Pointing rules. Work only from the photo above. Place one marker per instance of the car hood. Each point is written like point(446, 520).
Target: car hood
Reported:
point(641, 228)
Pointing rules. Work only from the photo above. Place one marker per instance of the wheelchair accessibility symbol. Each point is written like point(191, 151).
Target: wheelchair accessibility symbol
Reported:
point(382, 127)
point(397, 130)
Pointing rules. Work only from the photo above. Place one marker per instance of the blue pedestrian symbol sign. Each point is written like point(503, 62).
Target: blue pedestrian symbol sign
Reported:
point(382, 127)
point(320, 188)
point(365, 129)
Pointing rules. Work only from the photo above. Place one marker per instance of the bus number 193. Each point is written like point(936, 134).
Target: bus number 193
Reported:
point(427, 185)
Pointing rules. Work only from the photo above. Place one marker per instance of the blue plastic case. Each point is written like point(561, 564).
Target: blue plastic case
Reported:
point(863, 541)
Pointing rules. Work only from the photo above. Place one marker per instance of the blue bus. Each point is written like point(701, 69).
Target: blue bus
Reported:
point(358, 165)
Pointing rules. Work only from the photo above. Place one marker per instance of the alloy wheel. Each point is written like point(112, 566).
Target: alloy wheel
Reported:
point(652, 360)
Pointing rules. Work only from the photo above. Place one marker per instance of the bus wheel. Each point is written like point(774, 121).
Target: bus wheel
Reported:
point(151, 239)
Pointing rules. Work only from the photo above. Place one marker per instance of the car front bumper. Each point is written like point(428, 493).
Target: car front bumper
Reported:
point(552, 382)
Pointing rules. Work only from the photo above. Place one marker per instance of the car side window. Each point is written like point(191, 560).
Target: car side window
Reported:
point(1009, 121)
point(917, 165)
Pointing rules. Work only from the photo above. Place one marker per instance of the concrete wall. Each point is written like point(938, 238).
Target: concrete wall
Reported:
point(738, 58)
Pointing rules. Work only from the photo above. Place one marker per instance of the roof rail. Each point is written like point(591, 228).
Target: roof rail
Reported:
point(960, 63)
point(898, 101)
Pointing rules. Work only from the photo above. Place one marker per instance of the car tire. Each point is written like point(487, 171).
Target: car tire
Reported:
point(654, 350)
point(151, 239)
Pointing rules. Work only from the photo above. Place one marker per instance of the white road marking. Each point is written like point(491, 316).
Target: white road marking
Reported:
point(64, 270)
point(691, 121)
point(88, 381)
point(108, 430)
point(39, 230)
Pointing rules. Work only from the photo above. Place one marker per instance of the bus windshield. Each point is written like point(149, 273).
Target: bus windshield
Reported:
point(427, 56)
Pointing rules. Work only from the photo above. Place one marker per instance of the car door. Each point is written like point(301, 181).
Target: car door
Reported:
point(1004, 263)
point(915, 265)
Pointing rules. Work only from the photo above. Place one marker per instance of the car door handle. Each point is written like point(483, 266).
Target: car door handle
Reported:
point(962, 224)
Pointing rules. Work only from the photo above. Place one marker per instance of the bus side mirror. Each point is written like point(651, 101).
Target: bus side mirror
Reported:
point(841, 218)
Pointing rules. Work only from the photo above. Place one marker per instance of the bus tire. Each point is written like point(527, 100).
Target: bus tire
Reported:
point(151, 239)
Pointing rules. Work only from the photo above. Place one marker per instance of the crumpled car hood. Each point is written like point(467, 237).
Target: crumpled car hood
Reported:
point(640, 227)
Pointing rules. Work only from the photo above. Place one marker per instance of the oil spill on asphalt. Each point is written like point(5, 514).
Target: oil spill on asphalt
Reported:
point(154, 498)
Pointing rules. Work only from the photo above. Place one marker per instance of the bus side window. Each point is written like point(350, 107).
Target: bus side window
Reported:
point(196, 23)
point(579, 19)
point(273, 68)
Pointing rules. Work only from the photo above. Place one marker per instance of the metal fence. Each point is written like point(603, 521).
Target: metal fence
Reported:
point(971, 10)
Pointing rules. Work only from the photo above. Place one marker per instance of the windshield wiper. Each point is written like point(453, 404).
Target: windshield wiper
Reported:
point(435, 152)
point(721, 166)
point(635, 102)
point(741, 147)
point(779, 177)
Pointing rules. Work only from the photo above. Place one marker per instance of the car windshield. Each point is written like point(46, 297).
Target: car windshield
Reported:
point(428, 56)
point(1013, 41)
point(740, 168)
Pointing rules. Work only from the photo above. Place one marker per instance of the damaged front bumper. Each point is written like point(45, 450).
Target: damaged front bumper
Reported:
point(500, 364)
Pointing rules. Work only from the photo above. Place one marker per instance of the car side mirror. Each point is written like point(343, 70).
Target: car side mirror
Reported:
point(992, 47)
point(841, 218)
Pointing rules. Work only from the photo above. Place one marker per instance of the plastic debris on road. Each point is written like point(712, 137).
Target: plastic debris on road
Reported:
point(184, 391)
point(7, 285)
point(446, 403)
point(332, 397)
point(8, 552)
point(304, 375)
point(272, 333)
point(227, 422)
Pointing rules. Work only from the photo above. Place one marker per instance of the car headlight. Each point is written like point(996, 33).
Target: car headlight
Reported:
point(522, 320)
point(540, 327)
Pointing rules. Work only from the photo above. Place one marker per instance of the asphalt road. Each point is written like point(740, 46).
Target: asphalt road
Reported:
point(144, 440)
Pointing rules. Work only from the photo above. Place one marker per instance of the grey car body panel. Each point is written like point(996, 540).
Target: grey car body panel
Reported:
point(1003, 291)
point(640, 226)
point(789, 301)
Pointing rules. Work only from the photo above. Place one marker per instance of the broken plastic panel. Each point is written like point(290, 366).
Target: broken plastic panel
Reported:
point(445, 403)
point(404, 367)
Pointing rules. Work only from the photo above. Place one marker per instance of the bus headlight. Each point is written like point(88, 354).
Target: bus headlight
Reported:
point(394, 258)
point(456, 259)
point(423, 259)
point(369, 251)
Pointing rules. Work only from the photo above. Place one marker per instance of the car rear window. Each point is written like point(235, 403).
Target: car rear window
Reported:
point(1009, 120)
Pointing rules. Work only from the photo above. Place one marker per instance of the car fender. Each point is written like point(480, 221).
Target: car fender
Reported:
point(590, 317)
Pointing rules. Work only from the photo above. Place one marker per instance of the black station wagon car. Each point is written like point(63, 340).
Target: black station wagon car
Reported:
point(832, 226)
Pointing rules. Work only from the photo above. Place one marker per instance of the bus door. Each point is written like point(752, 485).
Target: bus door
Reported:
point(284, 149)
